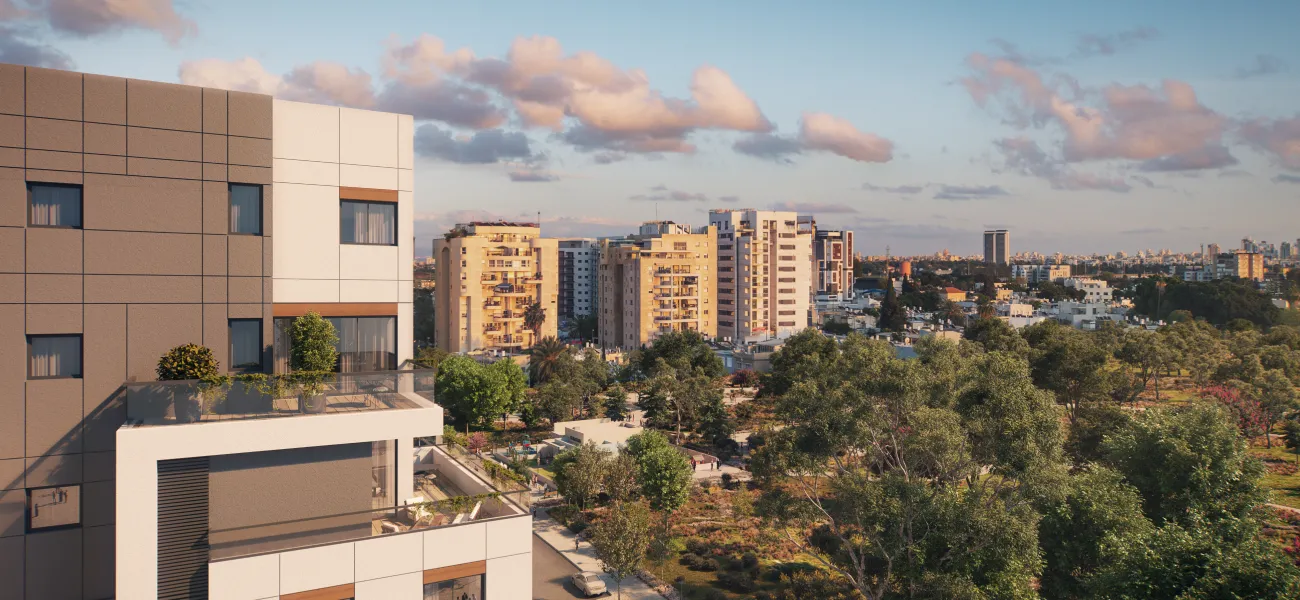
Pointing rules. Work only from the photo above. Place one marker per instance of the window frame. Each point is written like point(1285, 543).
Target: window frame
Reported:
point(81, 356)
point(261, 208)
point(261, 344)
point(368, 203)
point(81, 204)
point(27, 509)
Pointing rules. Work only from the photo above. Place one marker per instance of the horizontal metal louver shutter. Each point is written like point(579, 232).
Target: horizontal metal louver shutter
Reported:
point(183, 529)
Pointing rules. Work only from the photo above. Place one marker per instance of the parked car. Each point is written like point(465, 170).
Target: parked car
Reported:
point(590, 584)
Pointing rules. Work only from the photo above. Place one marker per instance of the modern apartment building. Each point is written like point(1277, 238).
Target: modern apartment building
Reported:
point(137, 216)
point(1035, 274)
point(1246, 265)
point(833, 265)
point(764, 273)
point(489, 274)
point(1095, 290)
point(996, 250)
point(578, 287)
point(663, 279)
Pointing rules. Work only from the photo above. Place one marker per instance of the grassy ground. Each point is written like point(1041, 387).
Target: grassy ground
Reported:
point(1281, 477)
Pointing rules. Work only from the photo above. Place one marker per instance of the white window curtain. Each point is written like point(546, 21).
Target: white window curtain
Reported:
point(368, 223)
point(56, 206)
point(56, 356)
point(366, 343)
point(246, 344)
point(382, 222)
point(246, 209)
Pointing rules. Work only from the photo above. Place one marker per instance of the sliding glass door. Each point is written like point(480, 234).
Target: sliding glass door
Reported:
point(365, 343)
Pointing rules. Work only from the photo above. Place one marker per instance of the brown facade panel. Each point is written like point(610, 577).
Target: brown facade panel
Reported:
point(338, 592)
point(339, 309)
point(164, 105)
point(455, 571)
point(53, 416)
point(53, 94)
point(12, 89)
point(254, 175)
point(56, 469)
point(13, 374)
point(54, 161)
point(45, 549)
point(98, 545)
point(11, 557)
point(44, 319)
point(173, 169)
point(216, 207)
point(108, 165)
point(105, 139)
point(246, 290)
point(214, 172)
point(11, 474)
point(12, 131)
point(245, 255)
point(244, 311)
point(146, 289)
point(374, 195)
point(51, 134)
point(12, 509)
point(52, 177)
point(98, 501)
point(142, 204)
point(104, 339)
point(53, 289)
point(249, 114)
point(98, 466)
point(214, 256)
point(163, 143)
point(252, 152)
point(214, 290)
point(105, 99)
point(153, 329)
point(52, 250)
point(12, 288)
point(214, 148)
point(214, 110)
point(11, 249)
point(13, 199)
point(216, 332)
point(13, 158)
point(136, 253)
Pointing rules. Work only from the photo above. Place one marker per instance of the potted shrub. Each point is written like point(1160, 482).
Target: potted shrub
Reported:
point(190, 362)
point(312, 357)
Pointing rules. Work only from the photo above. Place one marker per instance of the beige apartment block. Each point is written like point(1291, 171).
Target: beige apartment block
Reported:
point(660, 280)
point(765, 278)
point(488, 275)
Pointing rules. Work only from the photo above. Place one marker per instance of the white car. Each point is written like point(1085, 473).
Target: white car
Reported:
point(590, 584)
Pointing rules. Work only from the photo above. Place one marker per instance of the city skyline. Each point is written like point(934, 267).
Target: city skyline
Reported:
point(1094, 135)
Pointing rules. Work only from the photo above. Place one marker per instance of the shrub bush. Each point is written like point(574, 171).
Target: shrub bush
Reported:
point(715, 594)
point(691, 560)
point(188, 361)
point(741, 582)
point(698, 546)
point(749, 560)
point(709, 564)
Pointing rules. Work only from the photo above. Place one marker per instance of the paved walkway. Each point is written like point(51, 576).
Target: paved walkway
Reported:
point(584, 557)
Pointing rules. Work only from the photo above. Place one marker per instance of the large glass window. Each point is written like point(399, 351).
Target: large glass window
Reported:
point(245, 209)
point(246, 345)
point(366, 343)
point(54, 205)
point(368, 223)
point(50, 507)
point(463, 588)
point(53, 356)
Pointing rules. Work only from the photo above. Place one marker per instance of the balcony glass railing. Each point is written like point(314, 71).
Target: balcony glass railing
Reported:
point(261, 396)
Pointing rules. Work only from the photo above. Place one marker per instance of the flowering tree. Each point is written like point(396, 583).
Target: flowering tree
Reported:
point(1250, 414)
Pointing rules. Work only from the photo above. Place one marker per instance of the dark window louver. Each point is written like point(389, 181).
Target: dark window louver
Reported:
point(183, 529)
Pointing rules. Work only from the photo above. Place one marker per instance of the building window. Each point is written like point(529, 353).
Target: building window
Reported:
point(53, 356)
point(245, 209)
point(246, 345)
point(53, 507)
point(368, 223)
point(365, 343)
point(54, 205)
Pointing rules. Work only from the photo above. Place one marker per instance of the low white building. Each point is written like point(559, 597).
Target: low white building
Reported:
point(1033, 274)
point(1096, 289)
point(1088, 315)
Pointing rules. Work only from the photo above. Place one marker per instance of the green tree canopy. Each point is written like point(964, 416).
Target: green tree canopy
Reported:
point(663, 472)
point(475, 394)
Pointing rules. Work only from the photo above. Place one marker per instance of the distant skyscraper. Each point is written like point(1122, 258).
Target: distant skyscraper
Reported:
point(579, 258)
point(765, 274)
point(1211, 254)
point(996, 249)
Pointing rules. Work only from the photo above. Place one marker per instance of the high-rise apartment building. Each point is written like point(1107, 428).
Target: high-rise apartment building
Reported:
point(996, 249)
point(138, 216)
point(833, 264)
point(1212, 252)
point(1247, 265)
point(489, 274)
point(1285, 250)
point(661, 280)
point(764, 273)
point(578, 285)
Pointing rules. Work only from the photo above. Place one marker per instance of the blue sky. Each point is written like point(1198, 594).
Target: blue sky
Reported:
point(915, 124)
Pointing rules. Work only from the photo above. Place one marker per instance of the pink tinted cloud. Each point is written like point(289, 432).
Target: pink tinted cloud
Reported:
point(1279, 138)
point(820, 131)
point(92, 17)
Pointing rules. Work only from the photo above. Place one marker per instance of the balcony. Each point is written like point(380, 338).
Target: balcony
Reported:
point(268, 396)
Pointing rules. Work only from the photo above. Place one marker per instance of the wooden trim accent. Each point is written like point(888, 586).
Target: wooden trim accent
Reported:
point(369, 194)
point(336, 309)
point(338, 592)
point(453, 572)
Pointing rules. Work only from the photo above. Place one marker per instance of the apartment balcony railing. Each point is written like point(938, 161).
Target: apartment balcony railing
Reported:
point(262, 396)
point(453, 487)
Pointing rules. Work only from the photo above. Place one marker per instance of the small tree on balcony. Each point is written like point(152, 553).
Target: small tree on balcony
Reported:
point(312, 356)
point(535, 317)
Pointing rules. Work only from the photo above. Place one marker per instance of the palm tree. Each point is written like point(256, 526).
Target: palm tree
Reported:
point(543, 359)
point(534, 317)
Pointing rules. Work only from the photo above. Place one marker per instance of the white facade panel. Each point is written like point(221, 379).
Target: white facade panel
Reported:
point(405, 235)
point(364, 290)
point(405, 333)
point(506, 537)
point(406, 291)
point(250, 578)
point(380, 178)
point(307, 172)
point(305, 131)
point(405, 180)
point(405, 142)
point(361, 261)
point(368, 138)
point(402, 587)
point(315, 568)
point(304, 290)
point(510, 577)
point(455, 545)
point(388, 556)
point(306, 232)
